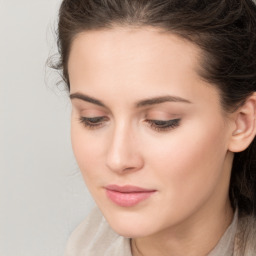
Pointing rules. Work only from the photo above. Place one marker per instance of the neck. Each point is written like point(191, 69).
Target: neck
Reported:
point(196, 236)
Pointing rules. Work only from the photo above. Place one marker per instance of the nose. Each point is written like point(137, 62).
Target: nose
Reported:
point(123, 154)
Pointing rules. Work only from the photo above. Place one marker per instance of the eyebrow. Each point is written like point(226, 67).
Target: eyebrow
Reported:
point(84, 97)
point(142, 103)
point(161, 99)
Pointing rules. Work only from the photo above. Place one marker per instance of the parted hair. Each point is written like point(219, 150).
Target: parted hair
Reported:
point(225, 31)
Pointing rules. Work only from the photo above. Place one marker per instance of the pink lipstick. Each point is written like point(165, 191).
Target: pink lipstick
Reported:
point(127, 196)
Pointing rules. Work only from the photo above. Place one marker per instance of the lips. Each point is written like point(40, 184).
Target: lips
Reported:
point(127, 196)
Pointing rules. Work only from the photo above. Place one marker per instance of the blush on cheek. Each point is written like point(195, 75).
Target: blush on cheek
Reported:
point(87, 151)
point(193, 166)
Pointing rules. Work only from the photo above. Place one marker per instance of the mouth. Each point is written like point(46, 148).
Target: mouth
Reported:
point(128, 196)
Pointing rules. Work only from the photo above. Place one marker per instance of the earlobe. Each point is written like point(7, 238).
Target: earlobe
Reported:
point(245, 125)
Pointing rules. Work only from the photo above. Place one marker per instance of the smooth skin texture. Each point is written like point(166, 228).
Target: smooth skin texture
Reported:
point(186, 157)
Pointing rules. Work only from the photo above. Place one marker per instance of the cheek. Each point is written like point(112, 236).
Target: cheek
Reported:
point(190, 161)
point(86, 148)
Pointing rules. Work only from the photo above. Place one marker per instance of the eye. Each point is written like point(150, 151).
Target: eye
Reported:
point(162, 125)
point(93, 122)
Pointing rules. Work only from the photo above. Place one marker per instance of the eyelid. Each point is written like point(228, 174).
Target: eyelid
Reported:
point(94, 119)
point(88, 109)
point(163, 125)
point(155, 124)
point(93, 122)
point(161, 115)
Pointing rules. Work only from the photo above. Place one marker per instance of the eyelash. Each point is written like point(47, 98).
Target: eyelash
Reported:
point(162, 126)
point(158, 125)
point(92, 122)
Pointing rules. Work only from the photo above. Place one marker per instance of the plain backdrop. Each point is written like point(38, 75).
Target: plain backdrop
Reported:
point(42, 194)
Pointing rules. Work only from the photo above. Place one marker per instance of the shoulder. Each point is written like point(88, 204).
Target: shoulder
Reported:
point(246, 236)
point(95, 237)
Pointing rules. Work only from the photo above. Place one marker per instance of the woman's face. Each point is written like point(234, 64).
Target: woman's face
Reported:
point(149, 135)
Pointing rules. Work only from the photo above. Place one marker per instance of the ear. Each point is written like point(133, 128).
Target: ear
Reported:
point(245, 125)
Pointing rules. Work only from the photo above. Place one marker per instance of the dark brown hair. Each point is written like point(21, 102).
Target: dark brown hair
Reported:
point(225, 30)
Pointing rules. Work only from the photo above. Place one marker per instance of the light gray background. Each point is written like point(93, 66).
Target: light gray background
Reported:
point(42, 194)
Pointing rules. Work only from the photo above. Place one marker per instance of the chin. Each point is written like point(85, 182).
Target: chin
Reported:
point(131, 224)
point(130, 230)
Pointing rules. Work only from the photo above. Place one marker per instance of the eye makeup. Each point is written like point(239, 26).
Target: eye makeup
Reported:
point(157, 125)
point(158, 119)
point(163, 125)
point(93, 122)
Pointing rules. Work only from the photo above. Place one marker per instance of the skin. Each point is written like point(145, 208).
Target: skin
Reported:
point(188, 165)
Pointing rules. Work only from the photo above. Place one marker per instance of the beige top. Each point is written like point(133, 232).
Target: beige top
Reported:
point(94, 237)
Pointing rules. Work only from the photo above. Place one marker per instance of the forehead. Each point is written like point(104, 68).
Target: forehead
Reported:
point(123, 48)
point(114, 63)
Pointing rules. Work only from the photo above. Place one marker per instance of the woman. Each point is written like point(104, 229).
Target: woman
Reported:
point(163, 124)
